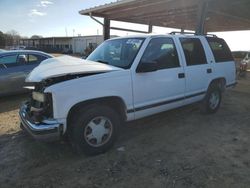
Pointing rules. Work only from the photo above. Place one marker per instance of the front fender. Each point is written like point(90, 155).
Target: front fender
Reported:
point(69, 93)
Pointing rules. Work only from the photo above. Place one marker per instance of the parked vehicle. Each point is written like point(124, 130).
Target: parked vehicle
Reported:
point(242, 61)
point(125, 79)
point(15, 66)
point(1, 50)
point(17, 48)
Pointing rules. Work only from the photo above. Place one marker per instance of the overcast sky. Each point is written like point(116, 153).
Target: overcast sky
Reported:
point(61, 18)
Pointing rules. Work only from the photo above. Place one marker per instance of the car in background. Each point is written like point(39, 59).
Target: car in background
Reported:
point(15, 66)
point(242, 60)
point(1, 50)
point(18, 48)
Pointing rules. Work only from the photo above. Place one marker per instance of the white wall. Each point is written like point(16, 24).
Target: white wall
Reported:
point(79, 44)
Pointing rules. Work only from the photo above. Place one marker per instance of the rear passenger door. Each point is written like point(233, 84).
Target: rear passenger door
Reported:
point(198, 70)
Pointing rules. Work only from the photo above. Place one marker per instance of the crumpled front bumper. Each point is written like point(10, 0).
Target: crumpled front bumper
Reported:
point(48, 130)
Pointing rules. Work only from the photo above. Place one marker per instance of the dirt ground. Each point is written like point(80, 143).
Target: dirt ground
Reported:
point(179, 148)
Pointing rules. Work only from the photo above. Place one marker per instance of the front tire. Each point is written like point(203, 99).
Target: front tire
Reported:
point(212, 100)
point(93, 129)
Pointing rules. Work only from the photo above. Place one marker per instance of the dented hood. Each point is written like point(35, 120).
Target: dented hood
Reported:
point(66, 65)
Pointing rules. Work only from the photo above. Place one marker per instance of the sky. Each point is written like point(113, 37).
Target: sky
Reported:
point(61, 18)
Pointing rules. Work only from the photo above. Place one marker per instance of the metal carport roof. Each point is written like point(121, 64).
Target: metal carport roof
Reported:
point(214, 15)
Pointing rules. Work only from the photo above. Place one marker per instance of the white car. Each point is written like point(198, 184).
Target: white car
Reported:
point(124, 79)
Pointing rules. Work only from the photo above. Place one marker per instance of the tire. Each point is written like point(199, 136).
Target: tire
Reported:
point(93, 129)
point(212, 100)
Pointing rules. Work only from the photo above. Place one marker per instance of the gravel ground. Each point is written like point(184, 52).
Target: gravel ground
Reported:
point(179, 148)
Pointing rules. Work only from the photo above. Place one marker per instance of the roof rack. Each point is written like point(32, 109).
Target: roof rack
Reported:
point(190, 33)
point(181, 32)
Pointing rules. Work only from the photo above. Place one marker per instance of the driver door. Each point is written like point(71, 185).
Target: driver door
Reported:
point(164, 88)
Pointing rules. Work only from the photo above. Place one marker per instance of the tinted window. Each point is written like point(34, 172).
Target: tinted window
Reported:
point(9, 60)
point(220, 50)
point(33, 58)
point(194, 51)
point(162, 51)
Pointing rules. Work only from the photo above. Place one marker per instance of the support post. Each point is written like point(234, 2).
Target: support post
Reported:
point(201, 17)
point(106, 29)
point(150, 28)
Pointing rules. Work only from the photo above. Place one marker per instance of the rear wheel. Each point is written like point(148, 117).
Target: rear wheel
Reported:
point(212, 100)
point(93, 129)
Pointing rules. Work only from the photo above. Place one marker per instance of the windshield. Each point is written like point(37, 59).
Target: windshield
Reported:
point(119, 52)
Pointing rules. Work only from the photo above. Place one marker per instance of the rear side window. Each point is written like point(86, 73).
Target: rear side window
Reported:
point(194, 51)
point(220, 50)
point(33, 58)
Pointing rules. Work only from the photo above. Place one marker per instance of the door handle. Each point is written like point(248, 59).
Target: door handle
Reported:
point(181, 75)
point(209, 71)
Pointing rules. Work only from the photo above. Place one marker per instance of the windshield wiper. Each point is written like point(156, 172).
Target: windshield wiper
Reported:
point(102, 61)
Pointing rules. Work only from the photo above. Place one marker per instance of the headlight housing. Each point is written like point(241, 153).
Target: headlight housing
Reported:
point(41, 105)
point(38, 96)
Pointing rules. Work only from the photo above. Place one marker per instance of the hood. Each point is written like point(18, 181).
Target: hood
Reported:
point(67, 65)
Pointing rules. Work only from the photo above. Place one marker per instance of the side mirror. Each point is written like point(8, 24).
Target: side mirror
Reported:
point(147, 66)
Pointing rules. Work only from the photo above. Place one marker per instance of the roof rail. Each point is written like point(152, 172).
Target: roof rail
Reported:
point(211, 35)
point(180, 32)
point(190, 33)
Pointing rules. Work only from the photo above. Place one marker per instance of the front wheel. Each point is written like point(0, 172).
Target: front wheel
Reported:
point(94, 129)
point(212, 100)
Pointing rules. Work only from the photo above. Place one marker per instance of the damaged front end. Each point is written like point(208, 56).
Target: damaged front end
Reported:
point(36, 115)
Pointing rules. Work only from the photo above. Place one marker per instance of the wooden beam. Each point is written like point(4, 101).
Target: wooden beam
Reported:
point(150, 28)
point(152, 7)
point(106, 29)
point(201, 17)
point(129, 30)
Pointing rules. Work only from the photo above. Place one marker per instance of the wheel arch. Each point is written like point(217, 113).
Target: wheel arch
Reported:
point(114, 102)
point(221, 81)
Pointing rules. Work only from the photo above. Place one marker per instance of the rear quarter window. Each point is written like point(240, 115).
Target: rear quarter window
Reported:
point(220, 50)
point(34, 58)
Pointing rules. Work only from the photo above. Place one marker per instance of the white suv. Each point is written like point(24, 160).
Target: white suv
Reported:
point(124, 79)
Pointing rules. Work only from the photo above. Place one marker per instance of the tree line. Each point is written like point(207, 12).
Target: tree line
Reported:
point(11, 38)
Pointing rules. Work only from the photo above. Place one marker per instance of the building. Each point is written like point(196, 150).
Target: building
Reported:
point(48, 44)
point(75, 45)
point(79, 44)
